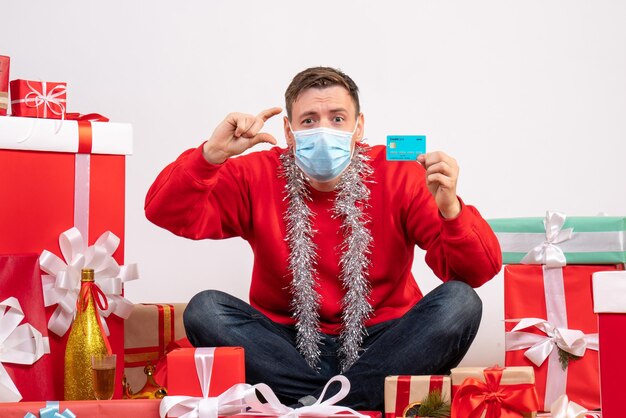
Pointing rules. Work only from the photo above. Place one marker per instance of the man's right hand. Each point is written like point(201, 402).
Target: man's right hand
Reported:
point(237, 133)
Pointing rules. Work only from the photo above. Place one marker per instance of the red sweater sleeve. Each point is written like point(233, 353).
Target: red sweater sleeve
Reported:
point(464, 248)
point(195, 199)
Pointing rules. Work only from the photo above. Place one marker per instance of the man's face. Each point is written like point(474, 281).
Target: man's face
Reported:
point(330, 107)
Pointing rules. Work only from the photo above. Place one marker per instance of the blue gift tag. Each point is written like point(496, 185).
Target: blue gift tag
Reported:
point(405, 147)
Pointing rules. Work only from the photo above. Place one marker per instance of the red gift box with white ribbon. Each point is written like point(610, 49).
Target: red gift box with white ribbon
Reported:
point(38, 99)
point(66, 176)
point(550, 320)
point(24, 357)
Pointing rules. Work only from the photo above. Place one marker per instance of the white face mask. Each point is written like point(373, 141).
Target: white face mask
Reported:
point(323, 153)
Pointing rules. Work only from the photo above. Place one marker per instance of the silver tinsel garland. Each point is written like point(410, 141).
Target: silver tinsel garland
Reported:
point(352, 197)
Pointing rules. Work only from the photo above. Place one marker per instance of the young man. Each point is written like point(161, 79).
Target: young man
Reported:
point(333, 227)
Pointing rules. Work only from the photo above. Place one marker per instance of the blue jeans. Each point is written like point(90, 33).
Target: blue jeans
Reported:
point(431, 338)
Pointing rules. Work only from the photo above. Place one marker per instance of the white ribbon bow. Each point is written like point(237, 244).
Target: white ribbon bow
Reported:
point(19, 344)
point(51, 100)
point(548, 252)
point(539, 347)
point(563, 408)
point(62, 283)
point(320, 408)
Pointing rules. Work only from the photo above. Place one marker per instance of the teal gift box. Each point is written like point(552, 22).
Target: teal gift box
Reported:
point(557, 240)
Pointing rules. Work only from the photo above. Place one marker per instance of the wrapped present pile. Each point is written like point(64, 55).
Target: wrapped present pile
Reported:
point(549, 305)
point(62, 210)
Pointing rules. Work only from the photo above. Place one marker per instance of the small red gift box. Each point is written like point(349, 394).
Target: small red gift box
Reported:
point(20, 278)
point(556, 304)
point(48, 187)
point(609, 295)
point(38, 99)
point(4, 84)
point(227, 369)
point(405, 392)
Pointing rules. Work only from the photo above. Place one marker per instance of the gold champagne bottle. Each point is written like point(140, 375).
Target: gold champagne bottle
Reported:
point(86, 339)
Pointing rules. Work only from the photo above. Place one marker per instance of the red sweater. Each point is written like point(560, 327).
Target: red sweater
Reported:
point(245, 197)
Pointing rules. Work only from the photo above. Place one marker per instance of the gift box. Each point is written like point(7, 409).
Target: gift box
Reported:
point(54, 179)
point(4, 84)
point(148, 332)
point(38, 99)
point(551, 326)
point(20, 279)
point(480, 392)
point(144, 408)
point(558, 240)
point(403, 394)
point(609, 295)
point(225, 366)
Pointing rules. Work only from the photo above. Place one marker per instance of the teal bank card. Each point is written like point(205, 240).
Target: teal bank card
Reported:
point(405, 147)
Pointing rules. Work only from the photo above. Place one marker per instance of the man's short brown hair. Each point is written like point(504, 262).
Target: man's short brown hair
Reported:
point(320, 78)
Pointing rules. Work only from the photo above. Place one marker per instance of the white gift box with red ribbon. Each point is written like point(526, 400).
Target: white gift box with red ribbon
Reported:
point(87, 137)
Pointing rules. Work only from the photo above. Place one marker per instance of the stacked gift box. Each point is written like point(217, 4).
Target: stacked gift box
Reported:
point(549, 312)
point(62, 193)
point(150, 332)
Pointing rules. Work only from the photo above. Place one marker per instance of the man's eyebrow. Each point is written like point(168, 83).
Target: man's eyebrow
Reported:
point(308, 114)
point(315, 113)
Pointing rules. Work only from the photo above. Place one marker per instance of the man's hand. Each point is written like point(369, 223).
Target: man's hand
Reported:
point(442, 173)
point(237, 133)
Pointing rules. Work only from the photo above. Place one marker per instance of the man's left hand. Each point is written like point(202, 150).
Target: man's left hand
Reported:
point(442, 173)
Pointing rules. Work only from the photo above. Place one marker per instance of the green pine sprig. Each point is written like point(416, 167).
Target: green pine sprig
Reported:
point(434, 406)
point(565, 358)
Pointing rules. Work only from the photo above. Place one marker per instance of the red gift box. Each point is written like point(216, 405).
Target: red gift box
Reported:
point(562, 299)
point(38, 99)
point(46, 193)
point(609, 295)
point(227, 369)
point(137, 408)
point(20, 278)
point(404, 392)
point(4, 84)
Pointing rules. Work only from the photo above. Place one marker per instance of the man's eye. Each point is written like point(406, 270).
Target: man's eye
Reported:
point(307, 121)
point(338, 119)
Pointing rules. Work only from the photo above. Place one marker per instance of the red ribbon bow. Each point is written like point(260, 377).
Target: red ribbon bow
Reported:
point(499, 401)
point(101, 302)
point(99, 298)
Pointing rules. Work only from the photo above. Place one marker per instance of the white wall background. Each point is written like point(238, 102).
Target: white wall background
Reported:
point(530, 97)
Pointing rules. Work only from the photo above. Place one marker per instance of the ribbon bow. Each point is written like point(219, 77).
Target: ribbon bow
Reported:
point(228, 403)
point(497, 401)
point(51, 410)
point(19, 344)
point(320, 408)
point(563, 408)
point(548, 252)
point(51, 100)
point(539, 346)
point(62, 283)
